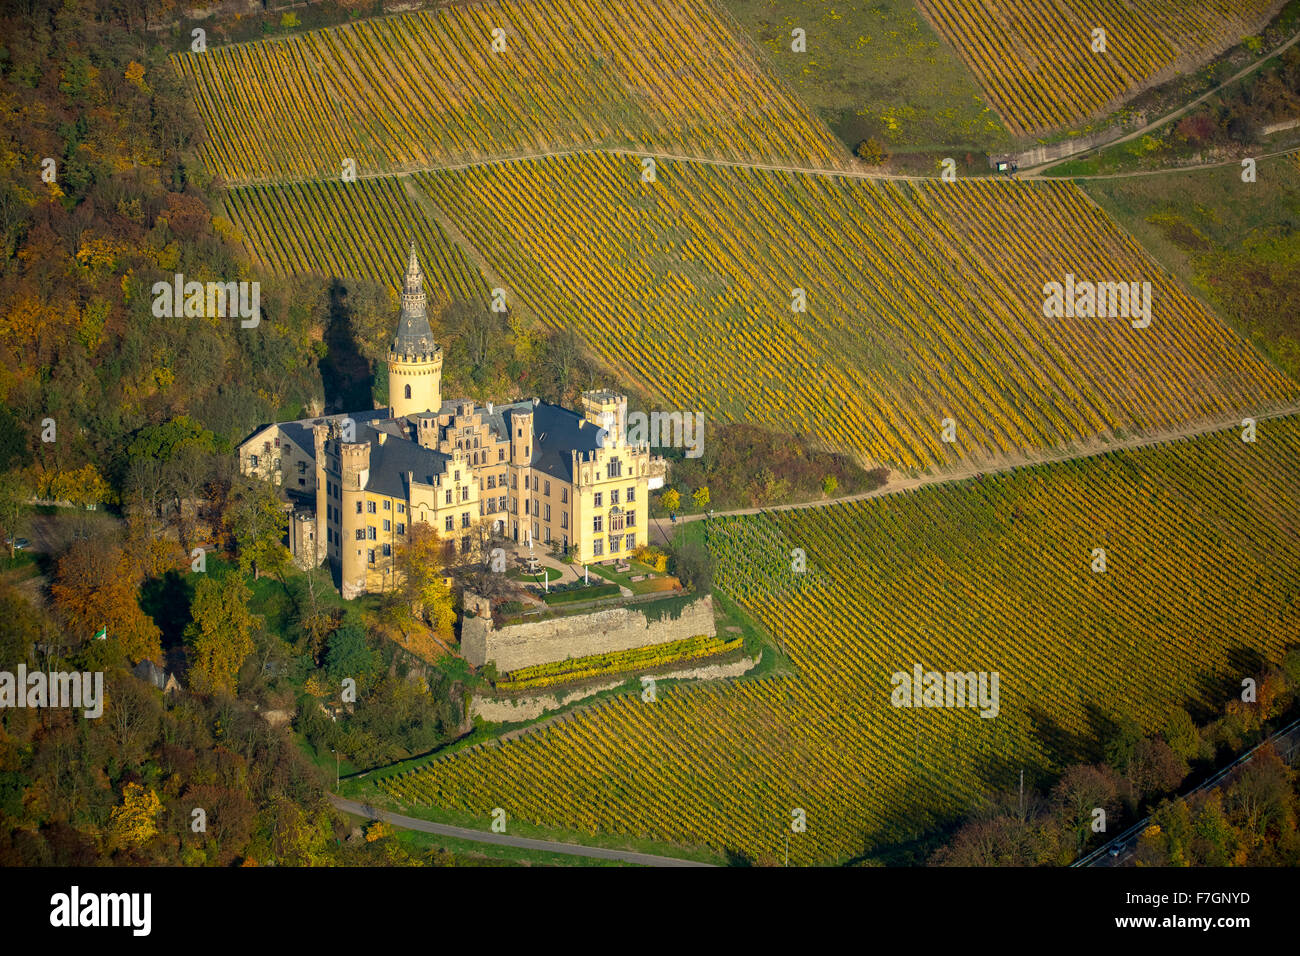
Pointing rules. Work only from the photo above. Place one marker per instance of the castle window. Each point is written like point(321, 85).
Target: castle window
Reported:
point(408, 391)
point(464, 545)
point(449, 523)
point(564, 519)
point(527, 501)
point(614, 469)
point(534, 482)
point(599, 499)
point(370, 555)
point(448, 496)
point(501, 454)
point(502, 505)
point(547, 534)
point(401, 528)
point(370, 507)
point(631, 521)
point(492, 481)
point(615, 522)
point(631, 494)
point(401, 508)
point(464, 493)
point(388, 550)
point(358, 507)
point(631, 541)
point(371, 535)
point(615, 543)
point(464, 519)
point(361, 534)
point(613, 496)
point(598, 523)
point(564, 496)
point(388, 525)
point(387, 504)
point(547, 515)
point(546, 488)
point(597, 548)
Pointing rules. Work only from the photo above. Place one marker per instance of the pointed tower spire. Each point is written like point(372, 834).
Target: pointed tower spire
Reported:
point(414, 275)
point(414, 336)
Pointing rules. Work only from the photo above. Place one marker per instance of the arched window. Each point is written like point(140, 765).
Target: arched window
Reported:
point(408, 391)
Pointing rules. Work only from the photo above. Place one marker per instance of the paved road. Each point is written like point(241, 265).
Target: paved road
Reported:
point(1286, 741)
point(502, 839)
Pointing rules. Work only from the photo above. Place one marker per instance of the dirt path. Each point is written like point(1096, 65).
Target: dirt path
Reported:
point(898, 485)
point(501, 839)
point(1168, 117)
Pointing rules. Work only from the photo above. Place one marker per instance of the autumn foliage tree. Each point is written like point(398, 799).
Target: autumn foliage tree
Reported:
point(422, 595)
point(96, 585)
point(257, 520)
point(220, 636)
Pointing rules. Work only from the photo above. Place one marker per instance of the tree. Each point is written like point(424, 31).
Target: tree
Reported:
point(701, 496)
point(13, 507)
point(670, 500)
point(830, 484)
point(422, 592)
point(871, 152)
point(348, 655)
point(1081, 790)
point(220, 634)
point(1156, 768)
point(693, 566)
point(135, 822)
point(257, 520)
point(95, 586)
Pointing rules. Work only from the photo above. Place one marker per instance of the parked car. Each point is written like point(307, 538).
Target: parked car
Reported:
point(20, 545)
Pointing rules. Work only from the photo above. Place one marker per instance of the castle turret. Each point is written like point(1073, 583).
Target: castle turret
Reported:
point(415, 360)
point(608, 411)
point(354, 472)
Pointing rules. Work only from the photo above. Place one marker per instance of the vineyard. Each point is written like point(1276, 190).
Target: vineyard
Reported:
point(428, 88)
point(923, 302)
point(618, 662)
point(985, 575)
point(1037, 64)
point(350, 230)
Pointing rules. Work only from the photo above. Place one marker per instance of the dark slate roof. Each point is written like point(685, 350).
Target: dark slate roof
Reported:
point(556, 435)
point(390, 462)
point(414, 336)
point(300, 432)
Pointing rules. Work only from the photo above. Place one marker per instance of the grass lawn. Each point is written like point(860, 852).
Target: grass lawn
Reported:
point(875, 70)
point(546, 573)
point(655, 580)
point(1233, 244)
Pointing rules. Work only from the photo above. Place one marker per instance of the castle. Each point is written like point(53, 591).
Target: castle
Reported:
point(526, 472)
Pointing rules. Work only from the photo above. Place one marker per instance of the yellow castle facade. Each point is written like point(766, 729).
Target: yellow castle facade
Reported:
point(526, 472)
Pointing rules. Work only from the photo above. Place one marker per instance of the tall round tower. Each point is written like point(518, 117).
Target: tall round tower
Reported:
point(415, 360)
